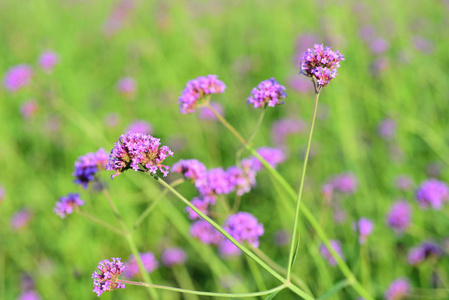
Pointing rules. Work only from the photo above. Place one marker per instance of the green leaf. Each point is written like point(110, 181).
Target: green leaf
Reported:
point(271, 296)
point(296, 251)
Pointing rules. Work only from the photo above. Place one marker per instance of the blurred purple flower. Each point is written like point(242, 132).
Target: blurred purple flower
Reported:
point(121, 11)
point(325, 253)
point(422, 252)
point(66, 204)
point(284, 127)
point(29, 109)
point(404, 182)
point(367, 33)
point(134, 150)
point(399, 216)
point(88, 165)
point(199, 203)
point(282, 237)
point(127, 86)
point(140, 126)
point(422, 44)
point(29, 295)
point(300, 84)
point(112, 119)
point(244, 227)
point(321, 63)
point(205, 232)
point(387, 129)
point(345, 183)
point(379, 45)
point(2, 192)
point(106, 277)
point(242, 179)
point(272, 155)
point(173, 256)
point(20, 219)
point(17, 77)
point(379, 65)
point(398, 289)
point(364, 227)
point(433, 193)
point(149, 262)
point(48, 60)
point(228, 249)
point(267, 93)
point(216, 182)
point(191, 169)
point(197, 89)
point(207, 114)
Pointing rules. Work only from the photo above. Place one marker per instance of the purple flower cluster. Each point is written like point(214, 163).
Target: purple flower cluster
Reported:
point(244, 227)
point(127, 86)
point(364, 227)
point(422, 252)
point(190, 168)
point(284, 127)
point(196, 89)
point(228, 249)
point(67, 204)
point(48, 60)
point(242, 178)
point(387, 129)
point(398, 289)
point(29, 109)
point(321, 63)
point(173, 256)
point(105, 279)
point(336, 245)
point(205, 232)
point(17, 77)
point(29, 295)
point(21, 219)
point(201, 204)
point(345, 183)
point(88, 165)
point(273, 156)
point(135, 150)
point(149, 262)
point(267, 93)
point(399, 216)
point(433, 193)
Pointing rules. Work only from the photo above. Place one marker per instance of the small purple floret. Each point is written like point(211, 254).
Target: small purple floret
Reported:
point(105, 279)
point(88, 165)
point(205, 232)
point(432, 193)
point(173, 256)
point(197, 89)
point(398, 289)
point(244, 227)
point(321, 63)
point(17, 77)
point(48, 60)
point(267, 93)
point(399, 216)
point(336, 245)
point(127, 87)
point(149, 262)
point(273, 156)
point(422, 252)
point(137, 150)
point(191, 169)
point(364, 227)
point(67, 204)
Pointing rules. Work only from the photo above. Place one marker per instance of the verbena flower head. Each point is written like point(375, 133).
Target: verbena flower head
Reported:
point(127, 86)
point(106, 277)
point(17, 77)
point(321, 63)
point(267, 93)
point(336, 245)
point(422, 252)
point(191, 169)
point(196, 90)
point(135, 150)
point(216, 182)
point(149, 262)
point(345, 183)
point(273, 156)
point(88, 165)
point(241, 179)
point(140, 127)
point(399, 216)
point(364, 227)
point(29, 109)
point(48, 60)
point(284, 127)
point(66, 204)
point(205, 232)
point(244, 227)
point(199, 203)
point(173, 256)
point(432, 193)
point(398, 289)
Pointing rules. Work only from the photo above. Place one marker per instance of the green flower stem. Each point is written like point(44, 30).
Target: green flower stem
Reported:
point(131, 243)
point(211, 294)
point(150, 208)
point(235, 242)
point(238, 155)
point(104, 224)
point(301, 187)
point(303, 208)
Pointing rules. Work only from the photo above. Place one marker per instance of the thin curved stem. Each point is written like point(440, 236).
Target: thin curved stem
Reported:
point(301, 187)
point(231, 239)
point(131, 243)
point(211, 294)
point(150, 208)
point(100, 222)
point(238, 155)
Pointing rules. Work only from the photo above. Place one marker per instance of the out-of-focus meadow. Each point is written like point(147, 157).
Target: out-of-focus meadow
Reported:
point(385, 115)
